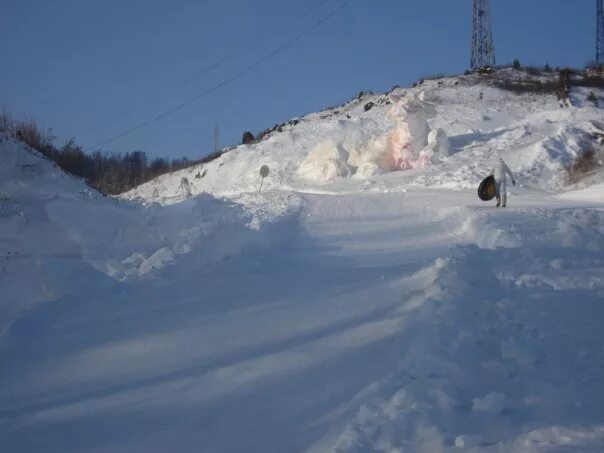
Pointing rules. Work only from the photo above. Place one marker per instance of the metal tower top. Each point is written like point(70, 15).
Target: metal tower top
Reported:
point(483, 51)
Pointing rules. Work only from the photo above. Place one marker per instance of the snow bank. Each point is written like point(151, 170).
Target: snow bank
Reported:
point(546, 164)
point(326, 162)
point(57, 235)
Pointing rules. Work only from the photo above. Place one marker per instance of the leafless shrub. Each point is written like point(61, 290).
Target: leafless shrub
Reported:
point(534, 70)
point(591, 81)
point(108, 173)
point(212, 156)
point(584, 165)
point(528, 86)
point(28, 132)
point(7, 123)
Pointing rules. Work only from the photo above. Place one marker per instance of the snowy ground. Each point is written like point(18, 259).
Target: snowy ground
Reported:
point(391, 314)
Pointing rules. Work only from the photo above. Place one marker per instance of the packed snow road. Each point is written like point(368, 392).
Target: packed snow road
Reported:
point(419, 320)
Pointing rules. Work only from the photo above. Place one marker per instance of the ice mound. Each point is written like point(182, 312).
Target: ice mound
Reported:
point(438, 143)
point(325, 162)
point(409, 144)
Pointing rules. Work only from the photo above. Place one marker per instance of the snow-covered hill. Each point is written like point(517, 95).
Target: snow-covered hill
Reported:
point(537, 138)
point(376, 312)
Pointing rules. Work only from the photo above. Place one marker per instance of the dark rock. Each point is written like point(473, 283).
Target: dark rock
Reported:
point(368, 106)
point(247, 138)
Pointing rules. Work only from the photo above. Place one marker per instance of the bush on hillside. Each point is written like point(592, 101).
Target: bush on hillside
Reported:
point(108, 173)
point(584, 165)
point(247, 138)
point(534, 70)
point(593, 98)
point(529, 86)
point(590, 81)
point(210, 157)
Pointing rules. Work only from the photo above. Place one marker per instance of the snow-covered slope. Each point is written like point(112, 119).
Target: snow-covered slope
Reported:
point(396, 313)
point(53, 227)
point(31, 244)
point(536, 136)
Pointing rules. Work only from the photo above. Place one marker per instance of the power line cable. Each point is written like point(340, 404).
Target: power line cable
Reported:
point(232, 56)
point(224, 82)
point(242, 50)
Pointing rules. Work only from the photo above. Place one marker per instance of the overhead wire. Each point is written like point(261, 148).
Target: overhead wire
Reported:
point(234, 77)
point(232, 56)
point(243, 50)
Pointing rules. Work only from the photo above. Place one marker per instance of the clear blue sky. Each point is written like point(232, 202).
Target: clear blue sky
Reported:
point(92, 69)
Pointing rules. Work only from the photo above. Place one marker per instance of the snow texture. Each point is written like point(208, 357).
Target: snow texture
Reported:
point(346, 308)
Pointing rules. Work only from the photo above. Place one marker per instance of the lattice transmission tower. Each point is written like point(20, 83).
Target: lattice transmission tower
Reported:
point(600, 37)
point(483, 51)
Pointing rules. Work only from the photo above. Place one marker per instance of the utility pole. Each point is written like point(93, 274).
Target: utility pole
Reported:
point(483, 50)
point(600, 35)
point(216, 145)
